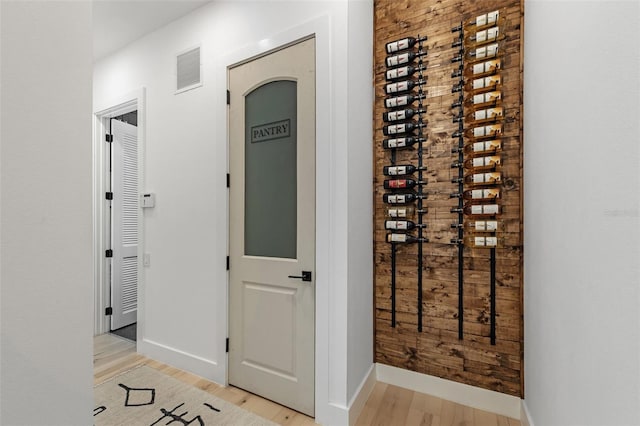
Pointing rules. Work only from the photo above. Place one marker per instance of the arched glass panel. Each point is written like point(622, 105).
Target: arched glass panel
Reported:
point(270, 217)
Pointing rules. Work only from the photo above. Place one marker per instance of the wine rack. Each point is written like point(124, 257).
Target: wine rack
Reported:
point(458, 106)
point(480, 126)
point(406, 127)
point(448, 274)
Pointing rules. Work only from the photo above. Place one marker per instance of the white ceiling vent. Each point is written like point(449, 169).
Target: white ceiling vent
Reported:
point(188, 70)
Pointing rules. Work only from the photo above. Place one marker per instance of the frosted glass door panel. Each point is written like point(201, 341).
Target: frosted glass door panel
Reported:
point(270, 171)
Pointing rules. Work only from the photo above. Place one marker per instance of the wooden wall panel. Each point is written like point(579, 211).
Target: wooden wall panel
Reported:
point(437, 350)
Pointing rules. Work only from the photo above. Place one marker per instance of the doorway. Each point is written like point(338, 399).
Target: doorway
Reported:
point(272, 226)
point(118, 219)
point(123, 205)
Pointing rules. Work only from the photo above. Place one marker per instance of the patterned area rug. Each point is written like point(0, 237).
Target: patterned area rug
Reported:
point(146, 397)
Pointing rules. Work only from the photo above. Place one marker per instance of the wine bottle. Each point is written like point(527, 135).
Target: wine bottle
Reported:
point(396, 129)
point(405, 198)
point(478, 194)
point(401, 183)
point(487, 115)
point(484, 21)
point(402, 86)
point(400, 170)
point(403, 44)
point(483, 69)
point(483, 163)
point(400, 211)
point(485, 36)
point(485, 147)
point(481, 194)
point(403, 114)
point(402, 100)
point(482, 209)
point(484, 132)
point(483, 241)
point(484, 84)
point(483, 52)
point(483, 178)
point(484, 225)
point(484, 100)
point(404, 238)
point(401, 225)
point(477, 226)
point(403, 72)
point(403, 58)
point(405, 142)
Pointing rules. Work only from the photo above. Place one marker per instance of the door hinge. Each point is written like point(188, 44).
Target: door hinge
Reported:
point(109, 138)
point(228, 180)
point(227, 345)
point(108, 311)
point(227, 263)
point(228, 97)
point(108, 195)
point(108, 253)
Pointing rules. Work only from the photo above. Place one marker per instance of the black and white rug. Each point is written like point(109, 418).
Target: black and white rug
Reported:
point(146, 397)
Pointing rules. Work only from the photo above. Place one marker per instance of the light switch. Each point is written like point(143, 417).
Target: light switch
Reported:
point(147, 200)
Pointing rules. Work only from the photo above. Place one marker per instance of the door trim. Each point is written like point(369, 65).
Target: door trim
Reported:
point(298, 392)
point(117, 106)
point(325, 409)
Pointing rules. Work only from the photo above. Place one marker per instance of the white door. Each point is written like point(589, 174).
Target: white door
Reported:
point(272, 226)
point(124, 224)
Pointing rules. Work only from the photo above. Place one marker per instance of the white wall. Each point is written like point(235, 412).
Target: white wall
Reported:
point(360, 210)
point(46, 372)
point(582, 323)
point(185, 317)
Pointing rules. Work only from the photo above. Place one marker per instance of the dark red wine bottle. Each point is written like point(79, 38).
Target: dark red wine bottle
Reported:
point(400, 183)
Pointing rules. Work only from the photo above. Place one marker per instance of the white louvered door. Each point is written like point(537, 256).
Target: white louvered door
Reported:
point(124, 214)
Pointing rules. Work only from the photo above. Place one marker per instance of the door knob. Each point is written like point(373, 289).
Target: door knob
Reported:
point(306, 276)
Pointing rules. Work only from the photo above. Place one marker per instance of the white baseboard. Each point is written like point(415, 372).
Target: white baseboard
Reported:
point(525, 416)
point(362, 394)
point(185, 361)
point(471, 396)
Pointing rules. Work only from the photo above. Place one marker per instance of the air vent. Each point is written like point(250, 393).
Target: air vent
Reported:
point(188, 70)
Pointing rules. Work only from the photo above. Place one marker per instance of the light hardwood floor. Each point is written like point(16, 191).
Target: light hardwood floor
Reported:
point(387, 405)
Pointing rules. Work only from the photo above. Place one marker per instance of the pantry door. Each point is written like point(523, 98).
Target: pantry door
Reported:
point(272, 226)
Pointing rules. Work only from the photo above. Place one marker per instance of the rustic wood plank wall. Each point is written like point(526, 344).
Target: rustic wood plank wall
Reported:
point(437, 350)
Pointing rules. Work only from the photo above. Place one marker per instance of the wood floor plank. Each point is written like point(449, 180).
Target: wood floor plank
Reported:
point(419, 413)
point(395, 406)
point(485, 418)
point(372, 405)
point(387, 405)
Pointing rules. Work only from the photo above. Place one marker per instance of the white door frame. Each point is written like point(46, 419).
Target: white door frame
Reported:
point(101, 239)
point(298, 389)
point(325, 275)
